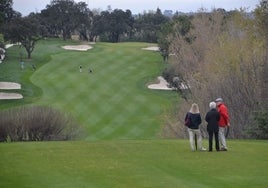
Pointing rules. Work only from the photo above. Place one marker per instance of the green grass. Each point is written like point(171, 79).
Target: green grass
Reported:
point(10, 70)
point(132, 163)
point(123, 120)
point(113, 101)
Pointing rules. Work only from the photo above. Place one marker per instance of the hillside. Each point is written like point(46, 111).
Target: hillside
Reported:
point(111, 102)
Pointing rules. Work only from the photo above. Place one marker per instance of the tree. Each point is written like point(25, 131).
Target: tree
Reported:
point(24, 30)
point(62, 17)
point(261, 16)
point(113, 25)
point(148, 25)
point(6, 14)
point(228, 63)
point(178, 25)
point(120, 23)
point(6, 11)
point(2, 41)
point(260, 128)
point(163, 40)
point(86, 22)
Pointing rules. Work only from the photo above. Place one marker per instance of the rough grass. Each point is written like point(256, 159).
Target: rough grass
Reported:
point(132, 163)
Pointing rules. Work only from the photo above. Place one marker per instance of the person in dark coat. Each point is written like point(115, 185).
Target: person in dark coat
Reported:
point(212, 118)
point(193, 128)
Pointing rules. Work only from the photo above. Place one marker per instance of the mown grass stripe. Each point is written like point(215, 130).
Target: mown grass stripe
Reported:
point(114, 96)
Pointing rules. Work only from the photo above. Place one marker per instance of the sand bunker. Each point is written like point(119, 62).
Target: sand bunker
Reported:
point(9, 85)
point(77, 47)
point(152, 48)
point(8, 45)
point(162, 85)
point(10, 96)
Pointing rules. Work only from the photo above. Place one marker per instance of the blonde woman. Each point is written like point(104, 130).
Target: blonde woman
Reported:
point(193, 119)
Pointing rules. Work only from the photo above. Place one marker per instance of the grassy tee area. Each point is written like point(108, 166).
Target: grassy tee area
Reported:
point(123, 121)
point(132, 163)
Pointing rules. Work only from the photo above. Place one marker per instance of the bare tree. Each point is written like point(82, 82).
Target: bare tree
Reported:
point(225, 60)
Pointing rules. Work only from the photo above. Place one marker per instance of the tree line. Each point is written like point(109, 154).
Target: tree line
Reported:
point(65, 18)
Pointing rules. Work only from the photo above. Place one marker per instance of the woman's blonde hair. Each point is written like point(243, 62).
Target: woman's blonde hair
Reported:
point(194, 109)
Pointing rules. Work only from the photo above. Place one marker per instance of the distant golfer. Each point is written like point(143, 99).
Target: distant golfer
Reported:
point(22, 65)
point(80, 68)
point(33, 66)
point(90, 70)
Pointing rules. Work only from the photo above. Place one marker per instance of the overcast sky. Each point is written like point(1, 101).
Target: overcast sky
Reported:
point(139, 6)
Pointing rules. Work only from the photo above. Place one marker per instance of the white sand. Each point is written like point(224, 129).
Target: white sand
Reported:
point(152, 48)
point(10, 96)
point(162, 85)
point(8, 45)
point(9, 85)
point(77, 47)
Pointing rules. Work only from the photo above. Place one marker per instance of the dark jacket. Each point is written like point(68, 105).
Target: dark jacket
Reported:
point(213, 117)
point(195, 120)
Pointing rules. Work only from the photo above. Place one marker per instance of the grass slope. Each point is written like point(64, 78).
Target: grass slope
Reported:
point(113, 101)
point(132, 163)
point(10, 69)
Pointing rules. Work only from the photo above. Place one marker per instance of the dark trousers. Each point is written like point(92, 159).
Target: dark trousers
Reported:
point(210, 139)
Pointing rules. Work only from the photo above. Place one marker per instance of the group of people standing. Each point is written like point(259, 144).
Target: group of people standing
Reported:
point(217, 119)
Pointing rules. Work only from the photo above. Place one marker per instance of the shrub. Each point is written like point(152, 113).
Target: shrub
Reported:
point(37, 123)
point(260, 130)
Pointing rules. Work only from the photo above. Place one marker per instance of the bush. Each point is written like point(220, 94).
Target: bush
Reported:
point(37, 124)
point(260, 130)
